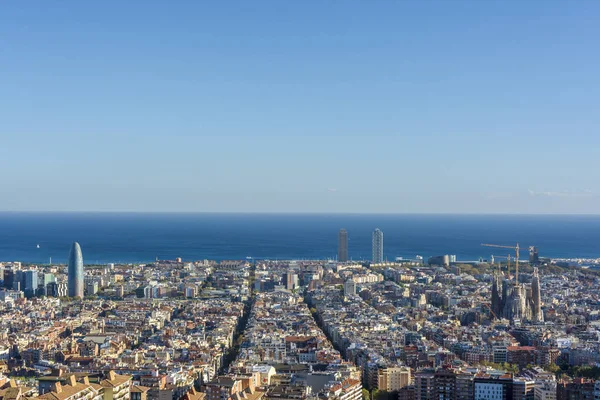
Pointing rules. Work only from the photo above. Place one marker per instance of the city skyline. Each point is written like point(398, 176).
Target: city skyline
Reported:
point(300, 320)
point(231, 168)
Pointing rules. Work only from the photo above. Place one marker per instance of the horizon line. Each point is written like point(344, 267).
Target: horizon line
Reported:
point(290, 213)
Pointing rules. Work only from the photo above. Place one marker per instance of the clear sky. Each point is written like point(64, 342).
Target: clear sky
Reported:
point(300, 106)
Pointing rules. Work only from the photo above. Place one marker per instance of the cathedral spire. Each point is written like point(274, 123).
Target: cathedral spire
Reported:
point(536, 297)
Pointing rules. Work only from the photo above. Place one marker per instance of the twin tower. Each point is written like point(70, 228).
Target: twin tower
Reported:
point(377, 246)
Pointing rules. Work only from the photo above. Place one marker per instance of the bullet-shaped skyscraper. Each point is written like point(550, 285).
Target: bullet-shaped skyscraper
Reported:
point(377, 246)
point(75, 271)
point(343, 245)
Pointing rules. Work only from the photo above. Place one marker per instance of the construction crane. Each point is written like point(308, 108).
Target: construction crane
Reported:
point(516, 249)
point(490, 309)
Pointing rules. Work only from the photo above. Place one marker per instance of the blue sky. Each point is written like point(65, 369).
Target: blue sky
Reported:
point(307, 106)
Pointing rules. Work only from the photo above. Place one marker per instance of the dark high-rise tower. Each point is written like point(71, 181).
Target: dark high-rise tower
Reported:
point(75, 271)
point(534, 256)
point(377, 246)
point(343, 245)
point(536, 298)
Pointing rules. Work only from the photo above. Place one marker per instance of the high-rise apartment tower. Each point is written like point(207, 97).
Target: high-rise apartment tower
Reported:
point(377, 246)
point(343, 245)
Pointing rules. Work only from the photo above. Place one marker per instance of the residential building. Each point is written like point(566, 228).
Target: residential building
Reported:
point(393, 378)
point(343, 245)
point(223, 388)
point(520, 355)
point(578, 389)
point(545, 390)
point(407, 393)
point(425, 385)
point(465, 389)
point(445, 384)
point(116, 387)
point(377, 246)
point(349, 288)
point(74, 390)
point(138, 392)
point(523, 389)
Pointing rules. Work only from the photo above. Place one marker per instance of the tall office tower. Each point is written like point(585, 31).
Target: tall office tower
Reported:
point(47, 278)
point(534, 256)
point(536, 297)
point(377, 246)
point(343, 245)
point(290, 280)
point(75, 271)
point(9, 278)
point(19, 280)
point(31, 282)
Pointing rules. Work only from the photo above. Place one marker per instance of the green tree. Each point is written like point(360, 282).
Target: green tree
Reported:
point(586, 371)
point(553, 368)
point(510, 367)
point(383, 395)
point(365, 394)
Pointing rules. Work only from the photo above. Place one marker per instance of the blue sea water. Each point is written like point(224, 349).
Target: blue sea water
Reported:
point(139, 237)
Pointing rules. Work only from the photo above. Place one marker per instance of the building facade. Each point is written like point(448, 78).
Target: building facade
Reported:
point(488, 387)
point(349, 288)
point(116, 387)
point(393, 379)
point(343, 245)
point(377, 246)
point(425, 385)
point(75, 272)
point(536, 297)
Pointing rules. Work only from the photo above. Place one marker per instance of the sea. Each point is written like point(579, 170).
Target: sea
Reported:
point(142, 237)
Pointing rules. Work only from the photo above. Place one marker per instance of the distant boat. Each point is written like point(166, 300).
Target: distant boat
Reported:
point(38, 246)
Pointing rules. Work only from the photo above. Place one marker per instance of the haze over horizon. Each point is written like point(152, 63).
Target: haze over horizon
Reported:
point(352, 107)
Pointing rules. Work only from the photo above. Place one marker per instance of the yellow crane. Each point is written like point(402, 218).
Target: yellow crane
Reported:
point(490, 309)
point(516, 249)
